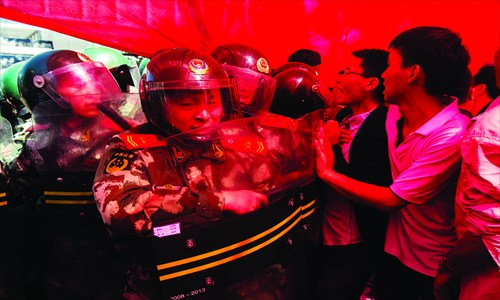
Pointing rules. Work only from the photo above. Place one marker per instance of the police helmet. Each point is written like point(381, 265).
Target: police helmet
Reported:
point(63, 78)
point(174, 75)
point(125, 71)
point(12, 107)
point(297, 93)
point(294, 65)
point(252, 72)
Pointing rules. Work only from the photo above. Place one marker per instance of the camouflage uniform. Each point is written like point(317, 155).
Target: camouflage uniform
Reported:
point(152, 192)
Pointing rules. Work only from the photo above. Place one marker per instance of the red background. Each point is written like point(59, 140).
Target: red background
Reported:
point(276, 27)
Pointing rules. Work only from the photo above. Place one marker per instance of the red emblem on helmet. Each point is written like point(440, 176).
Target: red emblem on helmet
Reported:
point(262, 65)
point(198, 66)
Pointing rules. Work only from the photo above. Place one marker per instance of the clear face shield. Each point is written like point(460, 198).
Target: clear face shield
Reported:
point(128, 78)
point(255, 90)
point(136, 77)
point(9, 150)
point(185, 106)
point(80, 87)
point(86, 92)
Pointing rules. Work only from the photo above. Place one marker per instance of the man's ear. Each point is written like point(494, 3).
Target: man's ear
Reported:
point(371, 83)
point(414, 71)
point(479, 89)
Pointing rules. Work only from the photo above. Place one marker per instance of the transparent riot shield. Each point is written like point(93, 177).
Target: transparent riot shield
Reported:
point(237, 255)
point(67, 143)
point(9, 150)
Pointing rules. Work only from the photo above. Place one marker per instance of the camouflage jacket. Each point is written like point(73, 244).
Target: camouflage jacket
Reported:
point(144, 179)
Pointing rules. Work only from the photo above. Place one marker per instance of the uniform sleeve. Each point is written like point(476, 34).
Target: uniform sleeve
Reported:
point(128, 200)
point(124, 195)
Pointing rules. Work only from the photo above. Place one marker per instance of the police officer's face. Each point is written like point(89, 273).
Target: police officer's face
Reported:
point(82, 96)
point(194, 109)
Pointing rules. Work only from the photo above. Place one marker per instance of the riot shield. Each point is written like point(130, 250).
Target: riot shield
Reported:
point(67, 143)
point(9, 150)
point(250, 254)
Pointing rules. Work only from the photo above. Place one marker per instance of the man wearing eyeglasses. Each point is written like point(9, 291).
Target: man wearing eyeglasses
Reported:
point(427, 66)
point(353, 234)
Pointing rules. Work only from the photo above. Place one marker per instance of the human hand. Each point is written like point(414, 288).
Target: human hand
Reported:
point(324, 154)
point(243, 201)
point(332, 131)
point(345, 136)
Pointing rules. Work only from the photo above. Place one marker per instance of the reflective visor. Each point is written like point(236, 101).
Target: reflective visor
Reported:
point(81, 79)
point(152, 86)
point(255, 90)
point(181, 106)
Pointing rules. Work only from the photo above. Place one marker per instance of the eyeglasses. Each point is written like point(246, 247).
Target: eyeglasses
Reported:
point(347, 72)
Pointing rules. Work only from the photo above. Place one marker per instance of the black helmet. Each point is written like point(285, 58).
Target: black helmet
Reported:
point(253, 76)
point(297, 93)
point(294, 65)
point(62, 78)
point(174, 75)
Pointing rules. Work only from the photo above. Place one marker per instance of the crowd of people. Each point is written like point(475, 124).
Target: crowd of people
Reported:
point(220, 176)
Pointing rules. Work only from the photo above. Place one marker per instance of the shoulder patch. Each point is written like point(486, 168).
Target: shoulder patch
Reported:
point(119, 161)
point(245, 144)
point(140, 141)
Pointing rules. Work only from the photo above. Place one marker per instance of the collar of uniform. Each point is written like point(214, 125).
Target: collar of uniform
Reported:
point(211, 150)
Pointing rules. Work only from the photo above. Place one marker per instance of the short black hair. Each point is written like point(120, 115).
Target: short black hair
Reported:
point(307, 56)
point(463, 90)
point(486, 75)
point(440, 54)
point(374, 63)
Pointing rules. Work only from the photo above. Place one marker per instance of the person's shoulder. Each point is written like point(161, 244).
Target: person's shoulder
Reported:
point(139, 137)
point(134, 141)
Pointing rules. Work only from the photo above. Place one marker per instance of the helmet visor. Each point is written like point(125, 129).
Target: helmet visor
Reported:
point(255, 90)
point(136, 76)
point(89, 81)
point(188, 105)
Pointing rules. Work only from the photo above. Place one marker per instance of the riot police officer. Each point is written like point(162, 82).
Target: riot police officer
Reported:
point(65, 90)
point(126, 73)
point(21, 270)
point(148, 186)
point(252, 72)
point(298, 91)
point(12, 108)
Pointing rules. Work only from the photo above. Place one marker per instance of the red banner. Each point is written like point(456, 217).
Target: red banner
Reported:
point(275, 27)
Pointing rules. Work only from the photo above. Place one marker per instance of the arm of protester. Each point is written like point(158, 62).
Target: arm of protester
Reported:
point(376, 196)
